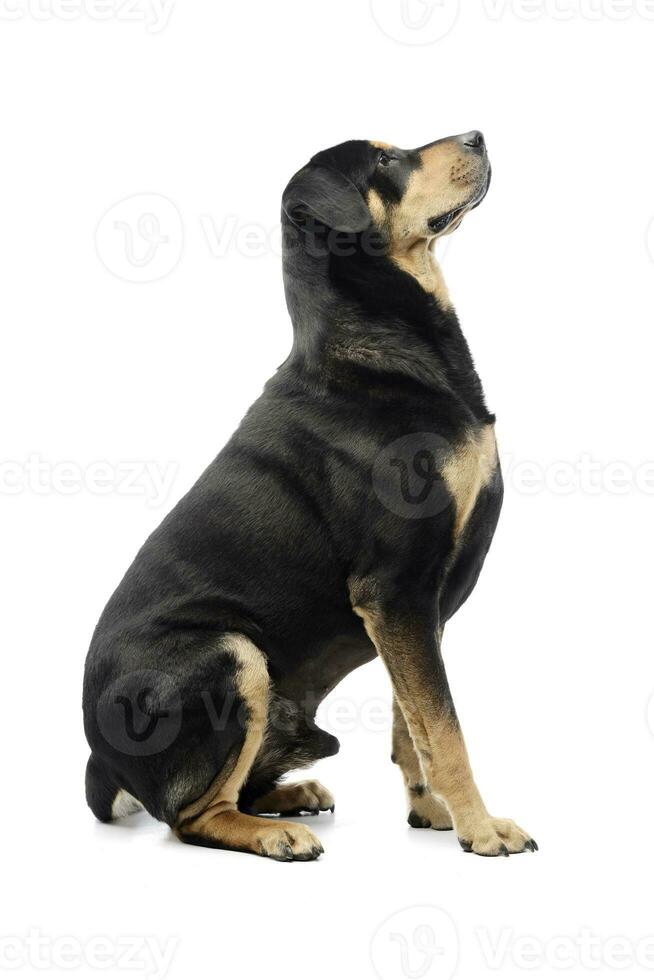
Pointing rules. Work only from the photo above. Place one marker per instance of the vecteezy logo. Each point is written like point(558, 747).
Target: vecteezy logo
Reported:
point(420, 943)
point(415, 21)
point(406, 475)
point(140, 239)
point(140, 713)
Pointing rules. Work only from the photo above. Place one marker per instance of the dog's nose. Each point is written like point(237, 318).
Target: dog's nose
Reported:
point(474, 140)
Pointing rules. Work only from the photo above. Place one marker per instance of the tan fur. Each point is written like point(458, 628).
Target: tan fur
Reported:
point(407, 653)
point(421, 800)
point(419, 261)
point(236, 831)
point(377, 208)
point(468, 470)
point(214, 818)
point(252, 681)
point(308, 795)
point(443, 183)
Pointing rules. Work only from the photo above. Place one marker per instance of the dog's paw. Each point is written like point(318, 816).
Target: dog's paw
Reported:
point(291, 799)
point(284, 841)
point(494, 838)
point(426, 811)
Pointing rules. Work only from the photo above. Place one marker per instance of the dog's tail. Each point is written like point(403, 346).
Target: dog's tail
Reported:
point(104, 795)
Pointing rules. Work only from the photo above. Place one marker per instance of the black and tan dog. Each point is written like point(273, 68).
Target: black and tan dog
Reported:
point(348, 516)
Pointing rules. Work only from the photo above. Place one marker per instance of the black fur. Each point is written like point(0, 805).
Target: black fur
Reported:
point(286, 516)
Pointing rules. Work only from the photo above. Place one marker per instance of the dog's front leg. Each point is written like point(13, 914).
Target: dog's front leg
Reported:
point(405, 636)
point(424, 809)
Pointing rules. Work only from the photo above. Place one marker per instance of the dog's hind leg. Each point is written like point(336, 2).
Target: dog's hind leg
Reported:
point(292, 741)
point(291, 799)
point(214, 820)
point(424, 809)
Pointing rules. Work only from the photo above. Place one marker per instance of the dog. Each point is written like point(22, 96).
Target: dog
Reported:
point(348, 517)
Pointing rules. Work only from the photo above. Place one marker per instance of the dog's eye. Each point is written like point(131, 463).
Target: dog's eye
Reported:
point(384, 159)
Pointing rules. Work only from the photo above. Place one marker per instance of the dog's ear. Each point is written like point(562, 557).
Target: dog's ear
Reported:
point(329, 197)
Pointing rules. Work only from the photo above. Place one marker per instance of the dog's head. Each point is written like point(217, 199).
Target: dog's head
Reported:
point(407, 195)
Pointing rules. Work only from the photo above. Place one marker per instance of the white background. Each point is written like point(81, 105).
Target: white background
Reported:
point(550, 661)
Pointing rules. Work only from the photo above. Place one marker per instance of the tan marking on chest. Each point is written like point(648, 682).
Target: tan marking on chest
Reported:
point(468, 470)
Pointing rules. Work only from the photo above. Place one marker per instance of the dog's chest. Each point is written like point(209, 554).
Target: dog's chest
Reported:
point(468, 470)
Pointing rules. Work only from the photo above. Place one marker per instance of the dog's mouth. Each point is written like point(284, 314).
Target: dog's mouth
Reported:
point(452, 219)
point(438, 225)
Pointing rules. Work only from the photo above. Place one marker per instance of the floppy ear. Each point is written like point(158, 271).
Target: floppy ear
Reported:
point(329, 197)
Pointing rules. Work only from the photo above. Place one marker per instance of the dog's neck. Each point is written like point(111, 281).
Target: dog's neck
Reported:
point(382, 316)
point(418, 259)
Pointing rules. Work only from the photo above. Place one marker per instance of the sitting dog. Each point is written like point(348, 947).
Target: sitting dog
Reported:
point(349, 516)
